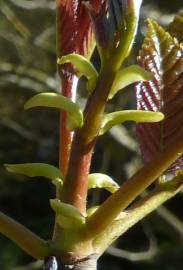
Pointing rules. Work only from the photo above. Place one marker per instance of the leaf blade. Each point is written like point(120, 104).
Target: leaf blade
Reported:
point(120, 117)
point(68, 216)
point(127, 76)
point(53, 100)
point(36, 169)
point(162, 55)
point(84, 66)
point(99, 180)
point(74, 26)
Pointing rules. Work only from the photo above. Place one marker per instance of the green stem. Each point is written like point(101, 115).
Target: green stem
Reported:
point(136, 213)
point(127, 36)
point(24, 238)
point(117, 202)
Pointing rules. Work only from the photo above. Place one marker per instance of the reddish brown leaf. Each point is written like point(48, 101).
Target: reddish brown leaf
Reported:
point(75, 32)
point(163, 56)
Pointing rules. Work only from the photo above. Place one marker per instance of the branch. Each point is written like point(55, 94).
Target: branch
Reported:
point(42, 4)
point(133, 187)
point(133, 256)
point(172, 219)
point(31, 266)
point(24, 238)
point(146, 255)
point(135, 213)
point(26, 72)
point(15, 21)
point(16, 127)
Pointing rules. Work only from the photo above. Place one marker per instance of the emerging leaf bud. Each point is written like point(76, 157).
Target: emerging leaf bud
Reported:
point(115, 25)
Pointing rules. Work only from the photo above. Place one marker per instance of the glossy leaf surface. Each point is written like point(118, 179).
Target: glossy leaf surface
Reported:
point(127, 76)
point(99, 180)
point(68, 216)
point(37, 169)
point(53, 100)
point(84, 67)
point(116, 118)
point(163, 56)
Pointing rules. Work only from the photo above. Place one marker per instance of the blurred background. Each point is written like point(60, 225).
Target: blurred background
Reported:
point(27, 67)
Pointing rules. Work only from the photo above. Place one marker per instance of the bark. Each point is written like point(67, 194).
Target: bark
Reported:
point(53, 263)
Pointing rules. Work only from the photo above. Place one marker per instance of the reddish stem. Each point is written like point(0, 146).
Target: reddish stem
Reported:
point(76, 184)
point(65, 133)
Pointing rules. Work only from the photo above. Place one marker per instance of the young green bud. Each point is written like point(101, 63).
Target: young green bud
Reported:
point(68, 217)
point(99, 180)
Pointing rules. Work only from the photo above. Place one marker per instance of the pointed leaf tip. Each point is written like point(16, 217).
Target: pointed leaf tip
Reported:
point(53, 100)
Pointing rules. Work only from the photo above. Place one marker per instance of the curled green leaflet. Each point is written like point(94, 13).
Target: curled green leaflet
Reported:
point(68, 216)
point(120, 117)
point(127, 76)
point(37, 169)
point(99, 180)
point(84, 66)
point(53, 100)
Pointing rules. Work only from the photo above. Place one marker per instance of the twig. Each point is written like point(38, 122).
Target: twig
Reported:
point(173, 220)
point(23, 82)
point(123, 137)
point(34, 4)
point(20, 130)
point(15, 21)
point(133, 256)
point(26, 72)
point(24, 238)
point(137, 256)
point(31, 266)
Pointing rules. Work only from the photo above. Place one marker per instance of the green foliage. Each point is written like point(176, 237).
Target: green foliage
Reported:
point(127, 76)
point(68, 216)
point(53, 100)
point(116, 118)
point(99, 180)
point(84, 67)
point(37, 169)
